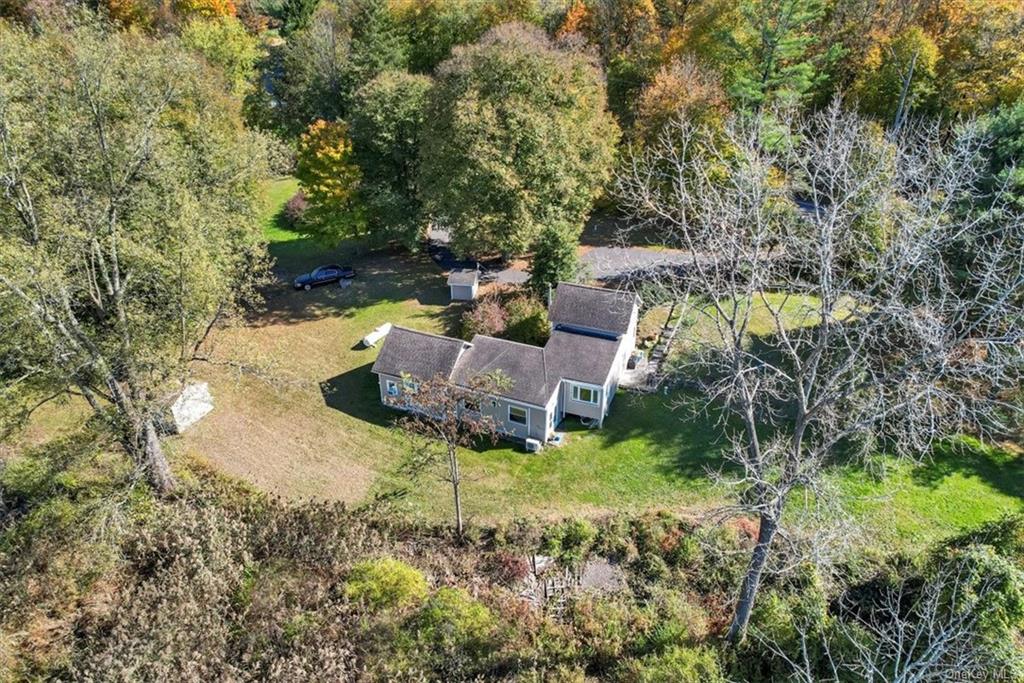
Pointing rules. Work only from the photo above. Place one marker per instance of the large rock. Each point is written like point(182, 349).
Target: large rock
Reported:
point(194, 402)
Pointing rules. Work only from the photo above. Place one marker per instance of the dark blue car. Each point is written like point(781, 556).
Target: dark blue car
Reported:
point(324, 275)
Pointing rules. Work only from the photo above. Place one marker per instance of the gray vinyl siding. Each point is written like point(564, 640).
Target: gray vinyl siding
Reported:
point(579, 408)
point(537, 419)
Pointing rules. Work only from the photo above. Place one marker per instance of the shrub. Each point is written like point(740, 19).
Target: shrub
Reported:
point(487, 317)
point(678, 665)
point(607, 629)
point(295, 209)
point(614, 540)
point(451, 618)
point(647, 569)
point(518, 317)
point(570, 541)
point(527, 321)
point(386, 583)
point(458, 632)
point(508, 568)
point(676, 621)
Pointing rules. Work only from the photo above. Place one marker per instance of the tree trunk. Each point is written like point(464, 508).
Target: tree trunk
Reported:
point(141, 441)
point(453, 465)
point(752, 580)
point(158, 470)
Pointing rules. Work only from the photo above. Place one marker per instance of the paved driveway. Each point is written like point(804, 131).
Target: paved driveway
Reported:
point(611, 263)
point(490, 271)
point(600, 262)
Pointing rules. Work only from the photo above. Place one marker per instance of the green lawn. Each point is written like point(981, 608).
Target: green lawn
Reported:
point(323, 433)
point(280, 191)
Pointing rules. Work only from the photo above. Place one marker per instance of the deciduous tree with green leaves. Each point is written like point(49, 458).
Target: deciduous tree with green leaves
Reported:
point(517, 137)
point(387, 120)
point(129, 223)
point(226, 45)
point(899, 78)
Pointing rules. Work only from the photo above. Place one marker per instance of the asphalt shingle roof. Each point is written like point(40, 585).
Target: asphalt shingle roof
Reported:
point(419, 354)
point(534, 372)
point(463, 277)
point(523, 364)
point(607, 310)
point(579, 357)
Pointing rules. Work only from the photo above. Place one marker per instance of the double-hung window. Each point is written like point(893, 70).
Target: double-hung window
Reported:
point(584, 394)
point(517, 415)
point(391, 387)
point(410, 385)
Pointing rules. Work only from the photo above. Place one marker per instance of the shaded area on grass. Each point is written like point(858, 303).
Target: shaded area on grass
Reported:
point(380, 278)
point(968, 457)
point(357, 393)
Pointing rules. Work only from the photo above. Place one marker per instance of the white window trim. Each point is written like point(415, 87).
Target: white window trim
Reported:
point(526, 416)
point(410, 386)
point(391, 387)
point(594, 393)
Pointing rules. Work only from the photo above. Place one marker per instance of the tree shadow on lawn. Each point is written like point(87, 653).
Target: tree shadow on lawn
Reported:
point(380, 278)
point(684, 446)
point(688, 441)
point(641, 433)
point(997, 467)
point(607, 230)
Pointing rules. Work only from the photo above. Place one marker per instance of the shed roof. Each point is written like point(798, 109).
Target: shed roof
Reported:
point(464, 276)
point(419, 354)
point(595, 308)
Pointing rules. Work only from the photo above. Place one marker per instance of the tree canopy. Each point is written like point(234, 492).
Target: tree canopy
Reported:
point(387, 122)
point(128, 226)
point(517, 137)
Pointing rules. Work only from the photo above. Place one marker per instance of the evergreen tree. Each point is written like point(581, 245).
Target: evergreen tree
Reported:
point(377, 44)
point(554, 259)
point(296, 14)
point(768, 51)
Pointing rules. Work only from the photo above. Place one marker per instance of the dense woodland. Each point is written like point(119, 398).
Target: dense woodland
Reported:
point(136, 142)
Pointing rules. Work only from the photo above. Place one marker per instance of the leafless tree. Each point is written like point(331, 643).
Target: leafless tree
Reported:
point(448, 416)
point(824, 325)
point(922, 629)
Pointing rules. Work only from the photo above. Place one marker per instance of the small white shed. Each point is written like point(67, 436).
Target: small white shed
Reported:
point(463, 284)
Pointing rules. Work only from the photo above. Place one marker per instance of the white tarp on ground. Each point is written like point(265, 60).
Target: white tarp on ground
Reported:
point(375, 336)
point(191, 406)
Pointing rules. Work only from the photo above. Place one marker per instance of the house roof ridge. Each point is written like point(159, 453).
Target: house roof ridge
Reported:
point(610, 290)
point(507, 341)
point(430, 334)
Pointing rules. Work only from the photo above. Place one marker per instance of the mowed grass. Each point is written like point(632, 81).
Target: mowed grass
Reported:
point(318, 430)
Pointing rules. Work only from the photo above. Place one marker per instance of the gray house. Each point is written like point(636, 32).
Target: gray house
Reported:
point(593, 333)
